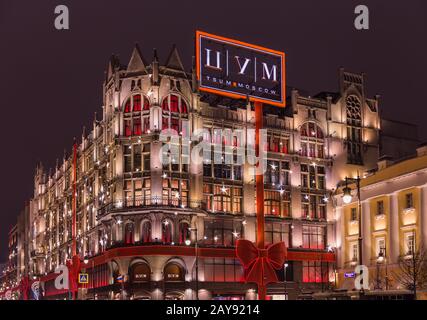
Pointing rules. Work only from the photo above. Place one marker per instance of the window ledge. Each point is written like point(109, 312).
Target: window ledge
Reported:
point(408, 210)
point(353, 222)
point(380, 216)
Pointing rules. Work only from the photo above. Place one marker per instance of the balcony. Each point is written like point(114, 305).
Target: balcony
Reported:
point(146, 202)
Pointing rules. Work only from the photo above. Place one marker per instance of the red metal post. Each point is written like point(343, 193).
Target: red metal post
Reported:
point(259, 188)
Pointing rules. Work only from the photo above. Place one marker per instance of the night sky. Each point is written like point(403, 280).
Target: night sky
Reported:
point(51, 81)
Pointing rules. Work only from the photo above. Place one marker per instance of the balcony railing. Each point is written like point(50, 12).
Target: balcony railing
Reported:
point(147, 202)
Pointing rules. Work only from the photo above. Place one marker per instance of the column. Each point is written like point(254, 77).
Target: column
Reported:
point(423, 215)
point(156, 171)
point(393, 229)
point(340, 240)
point(196, 165)
point(366, 232)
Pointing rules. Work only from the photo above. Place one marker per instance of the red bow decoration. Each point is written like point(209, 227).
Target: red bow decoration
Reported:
point(260, 263)
point(25, 286)
point(73, 272)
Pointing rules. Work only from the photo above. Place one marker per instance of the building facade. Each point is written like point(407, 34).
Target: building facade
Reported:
point(9, 270)
point(394, 221)
point(150, 230)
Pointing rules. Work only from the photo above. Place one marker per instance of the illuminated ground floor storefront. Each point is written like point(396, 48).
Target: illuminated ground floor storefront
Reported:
point(169, 273)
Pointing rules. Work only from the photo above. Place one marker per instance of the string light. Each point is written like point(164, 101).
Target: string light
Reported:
point(223, 189)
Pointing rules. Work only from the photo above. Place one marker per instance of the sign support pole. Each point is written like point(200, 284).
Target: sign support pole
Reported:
point(262, 289)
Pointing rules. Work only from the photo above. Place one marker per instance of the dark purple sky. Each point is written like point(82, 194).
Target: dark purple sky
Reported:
point(51, 81)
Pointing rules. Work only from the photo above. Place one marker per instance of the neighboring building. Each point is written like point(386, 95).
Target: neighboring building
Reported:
point(134, 214)
point(9, 273)
point(394, 221)
point(398, 139)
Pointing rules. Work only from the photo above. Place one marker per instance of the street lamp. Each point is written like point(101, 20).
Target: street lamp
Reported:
point(196, 243)
point(286, 265)
point(382, 257)
point(347, 199)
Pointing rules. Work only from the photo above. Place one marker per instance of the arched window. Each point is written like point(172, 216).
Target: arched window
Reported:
point(312, 141)
point(166, 231)
point(173, 272)
point(129, 239)
point(146, 232)
point(354, 130)
point(136, 115)
point(140, 272)
point(184, 232)
point(175, 110)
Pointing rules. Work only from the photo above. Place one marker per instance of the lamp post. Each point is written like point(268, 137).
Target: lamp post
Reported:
point(196, 247)
point(86, 262)
point(347, 199)
point(382, 257)
point(285, 266)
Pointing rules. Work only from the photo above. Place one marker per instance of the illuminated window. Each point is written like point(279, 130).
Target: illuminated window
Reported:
point(175, 111)
point(314, 237)
point(277, 203)
point(136, 116)
point(277, 232)
point(224, 158)
point(176, 155)
point(146, 232)
point(354, 252)
point(380, 246)
point(137, 192)
point(313, 206)
point(353, 214)
point(129, 238)
point(354, 130)
point(278, 144)
point(409, 201)
point(380, 208)
point(166, 231)
point(410, 243)
point(173, 272)
point(312, 141)
point(175, 192)
point(136, 157)
point(140, 272)
point(184, 232)
point(222, 232)
point(223, 270)
point(222, 198)
point(313, 177)
point(315, 272)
